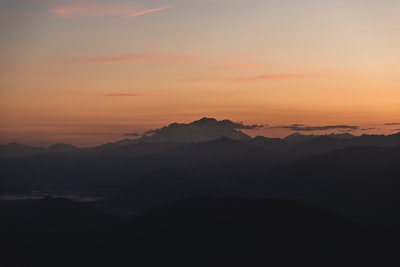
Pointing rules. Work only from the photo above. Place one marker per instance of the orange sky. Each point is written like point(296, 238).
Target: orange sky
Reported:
point(86, 72)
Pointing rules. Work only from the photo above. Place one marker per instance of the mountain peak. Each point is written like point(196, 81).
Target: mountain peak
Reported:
point(202, 130)
point(62, 147)
point(298, 137)
point(342, 136)
point(205, 121)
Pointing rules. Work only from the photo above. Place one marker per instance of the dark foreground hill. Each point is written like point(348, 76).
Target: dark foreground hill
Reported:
point(359, 182)
point(334, 195)
point(193, 232)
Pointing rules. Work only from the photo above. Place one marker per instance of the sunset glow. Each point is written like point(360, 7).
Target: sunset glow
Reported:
point(88, 72)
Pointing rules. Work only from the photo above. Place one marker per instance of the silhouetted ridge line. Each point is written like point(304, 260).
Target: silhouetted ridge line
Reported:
point(205, 129)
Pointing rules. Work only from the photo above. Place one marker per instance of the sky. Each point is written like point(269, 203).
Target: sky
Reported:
point(87, 72)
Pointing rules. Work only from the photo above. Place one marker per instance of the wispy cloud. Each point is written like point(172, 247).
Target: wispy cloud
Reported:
point(227, 64)
point(130, 58)
point(92, 9)
point(124, 95)
point(239, 125)
point(305, 128)
point(392, 124)
point(148, 11)
point(284, 76)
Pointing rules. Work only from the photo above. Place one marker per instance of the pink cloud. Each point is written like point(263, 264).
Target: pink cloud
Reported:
point(86, 9)
point(238, 65)
point(148, 11)
point(131, 58)
point(91, 9)
point(124, 95)
point(285, 76)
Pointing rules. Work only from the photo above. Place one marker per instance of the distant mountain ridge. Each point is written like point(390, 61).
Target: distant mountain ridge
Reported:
point(204, 190)
point(205, 129)
point(14, 150)
point(209, 129)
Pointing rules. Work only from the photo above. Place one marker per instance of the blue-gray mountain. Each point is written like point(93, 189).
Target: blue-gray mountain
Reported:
point(324, 194)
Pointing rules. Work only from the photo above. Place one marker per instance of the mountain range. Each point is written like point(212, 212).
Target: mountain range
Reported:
point(205, 186)
point(209, 129)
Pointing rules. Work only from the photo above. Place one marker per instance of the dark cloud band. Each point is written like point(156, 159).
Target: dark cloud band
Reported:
point(305, 128)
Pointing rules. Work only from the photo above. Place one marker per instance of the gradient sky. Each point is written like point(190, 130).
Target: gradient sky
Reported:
point(86, 72)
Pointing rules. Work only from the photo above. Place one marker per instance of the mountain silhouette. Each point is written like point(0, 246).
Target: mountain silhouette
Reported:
point(205, 129)
point(360, 182)
point(62, 148)
point(190, 232)
point(204, 194)
point(298, 138)
point(209, 129)
point(14, 150)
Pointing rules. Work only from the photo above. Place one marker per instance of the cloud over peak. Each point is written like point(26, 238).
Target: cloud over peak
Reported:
point(205, 129)
point(224, 123)
point(306, 128)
